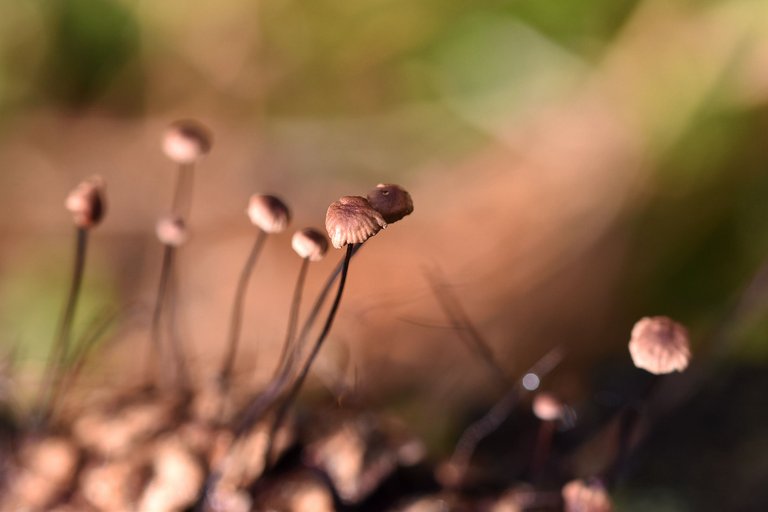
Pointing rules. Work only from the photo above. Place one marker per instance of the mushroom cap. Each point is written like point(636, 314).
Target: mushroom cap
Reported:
point(393, 202)
point(269, 213)
point(171, 230)
point(547, 407)
point(186, 141)
point(581, 496)
point(310, 243)
point(352, 220)
point(87, 202)
point(660, 345)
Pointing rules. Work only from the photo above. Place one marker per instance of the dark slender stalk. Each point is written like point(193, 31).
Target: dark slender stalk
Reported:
point(181, 204)
point(293, 317)
point(318, 305)
point(235, 323)
point(181, 374)
point(58, 356)
point(155, 353)
point(298, 383)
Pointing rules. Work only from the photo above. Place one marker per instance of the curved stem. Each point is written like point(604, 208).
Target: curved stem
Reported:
point(235, 323)
point(58, 356)
point(181, 374)
point(318, 305)
point(285, 361)
point(155, 353)
point(294, 391)
point(181, 204)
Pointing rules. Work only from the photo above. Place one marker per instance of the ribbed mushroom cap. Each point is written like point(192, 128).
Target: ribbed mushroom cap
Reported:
point(580, 496)
point(186, 141)
point(393, 202)
point(269, 213)
point(352, 220)
point(310, 243)
point(87, 202)
point(547, 407)
point(660, 345)
point(171, 230)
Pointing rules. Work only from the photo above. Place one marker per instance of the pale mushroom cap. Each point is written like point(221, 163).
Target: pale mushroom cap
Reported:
point(310, 243)
point(547, 407)
point(352, 220)
point(269, 213)
point(171, 230)
point(660, 345)
point(580, 496)
point(87, 202)
point(186, 141)
point(393, 202)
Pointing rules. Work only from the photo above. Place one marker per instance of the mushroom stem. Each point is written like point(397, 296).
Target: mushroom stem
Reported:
point(285, 362)
point(156, 351)
point(183, 190)
point(235, 323)
point(317, 306)
point(59, 351)
point(298, 383)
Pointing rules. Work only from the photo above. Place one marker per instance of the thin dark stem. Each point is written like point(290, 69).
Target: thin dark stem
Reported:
point(293, 317)
point(59, 352)
point(298, 383)
point(235, 323)
point(155, 353)
point(181, 204)
point(318, 305)
point(177, 351)
point(467, 332)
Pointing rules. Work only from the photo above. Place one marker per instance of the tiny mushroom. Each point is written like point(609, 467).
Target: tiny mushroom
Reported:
point(87, 202)
point(186, 141)
point(309, 243)
point(269, 213)
point(393, 202)
point(660, 345)
point(171, 230)
point(352, 220)
point(581, 496)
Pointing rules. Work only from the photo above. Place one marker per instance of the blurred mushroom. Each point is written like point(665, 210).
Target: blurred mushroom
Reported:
point(660, 345)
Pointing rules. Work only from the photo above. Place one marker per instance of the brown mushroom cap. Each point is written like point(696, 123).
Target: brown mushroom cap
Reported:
point(171, 230)
point(660, 345)
point(310, 243)
point(87, 202)
point(269, 213)
point(352, 220)
point(393, 202)
point(186, 141)
point(581, 496)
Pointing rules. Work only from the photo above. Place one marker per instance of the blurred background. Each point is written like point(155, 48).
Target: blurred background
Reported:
point(574, 166)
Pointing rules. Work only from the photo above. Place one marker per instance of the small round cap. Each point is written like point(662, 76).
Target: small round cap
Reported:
point(171, 230)
point(87, 202)
point(393, 202)
point(186, 141)
point(310, 243)
point(547, 407)
point(352, 220)
point(660, 345)
point(269, 213)
point(581, 496)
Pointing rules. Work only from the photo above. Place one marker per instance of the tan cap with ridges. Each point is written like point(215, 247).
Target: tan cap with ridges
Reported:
point(352, 220)
point(660, 345)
